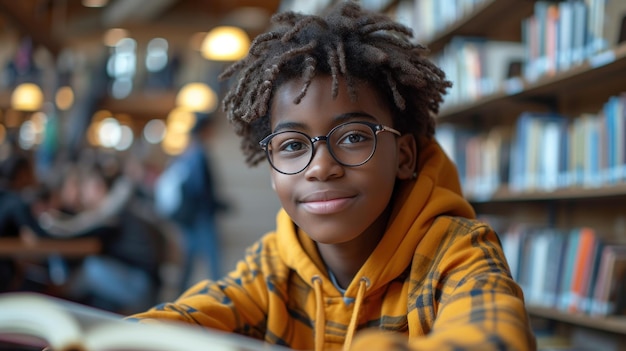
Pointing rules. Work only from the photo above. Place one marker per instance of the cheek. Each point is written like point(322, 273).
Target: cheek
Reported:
point(283, 185)
point(384, 163)
point(382, 172)
point(380, 182)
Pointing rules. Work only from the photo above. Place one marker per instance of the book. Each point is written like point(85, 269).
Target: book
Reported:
point(37, 320)
point(591, 276)
point(569, 261)
point(609, 19)
point(611, 275)
point(512, 245)
point(582, 268)
point(540, 242)
point(554, 267)
point(535, 151)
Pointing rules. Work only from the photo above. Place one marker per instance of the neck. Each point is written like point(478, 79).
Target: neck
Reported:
point(346, 259)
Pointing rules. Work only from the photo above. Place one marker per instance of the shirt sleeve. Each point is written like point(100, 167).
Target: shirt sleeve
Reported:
point(236, 303)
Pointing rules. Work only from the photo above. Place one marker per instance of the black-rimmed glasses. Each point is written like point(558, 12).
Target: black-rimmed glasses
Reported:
point(351, 144)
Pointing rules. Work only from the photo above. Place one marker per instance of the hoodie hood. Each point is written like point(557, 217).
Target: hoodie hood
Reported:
point(435, 192)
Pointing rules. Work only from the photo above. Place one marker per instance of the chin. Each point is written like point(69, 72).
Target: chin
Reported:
point(326, 234)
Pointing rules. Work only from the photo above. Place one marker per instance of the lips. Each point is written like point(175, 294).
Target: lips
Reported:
point(326, 202)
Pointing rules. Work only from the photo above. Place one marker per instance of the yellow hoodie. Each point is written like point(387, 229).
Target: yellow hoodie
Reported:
point(438, 280)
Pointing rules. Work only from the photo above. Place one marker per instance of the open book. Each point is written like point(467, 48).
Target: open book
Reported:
point(38, 321)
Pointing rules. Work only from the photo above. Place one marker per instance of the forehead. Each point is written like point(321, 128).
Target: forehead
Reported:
point(318, 105)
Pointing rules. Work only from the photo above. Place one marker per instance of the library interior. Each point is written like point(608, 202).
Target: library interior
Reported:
point(99, 97)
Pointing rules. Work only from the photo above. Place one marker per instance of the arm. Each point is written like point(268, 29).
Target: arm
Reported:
point(86, 221)
point(236, 303)
point(480, 307)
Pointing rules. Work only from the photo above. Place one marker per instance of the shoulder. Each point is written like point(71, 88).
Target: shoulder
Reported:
point(262, 262)
point(264, 253)
point(263, 246)
point(464, 250)
point(459, 227)
point(451, 239)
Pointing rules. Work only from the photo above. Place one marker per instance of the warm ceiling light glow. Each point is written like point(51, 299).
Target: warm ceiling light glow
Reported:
point(100, 115)
point(64, 98)
point(95, 3)
point(114, 35)
point(225, 43)
point(27, 97)
point(174, 143)
point(197, 97)
point(39, 120)
point(180, 120)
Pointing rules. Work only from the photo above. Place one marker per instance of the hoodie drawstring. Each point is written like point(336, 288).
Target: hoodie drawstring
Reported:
point(320, 321)
point(354, 320)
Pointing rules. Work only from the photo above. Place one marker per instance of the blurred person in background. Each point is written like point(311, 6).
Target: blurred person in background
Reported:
point(185, 193)
point(125, 275)
point(17, 179)
point(17, 172)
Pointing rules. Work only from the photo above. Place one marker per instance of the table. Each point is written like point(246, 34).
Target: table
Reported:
point(74, 247)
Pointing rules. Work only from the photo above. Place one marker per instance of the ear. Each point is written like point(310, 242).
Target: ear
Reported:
point(407, 156)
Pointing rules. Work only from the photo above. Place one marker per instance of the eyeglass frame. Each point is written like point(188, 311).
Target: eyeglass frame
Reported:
point(376, 129)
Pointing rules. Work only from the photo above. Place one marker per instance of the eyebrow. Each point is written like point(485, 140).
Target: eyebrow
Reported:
point(342, 118)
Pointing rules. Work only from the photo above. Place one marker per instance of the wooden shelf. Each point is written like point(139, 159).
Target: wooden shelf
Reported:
point(503, 194)
point(593, 73)
point(144, 105)
point(498, 14)
point(612, 324)
point(141, 105)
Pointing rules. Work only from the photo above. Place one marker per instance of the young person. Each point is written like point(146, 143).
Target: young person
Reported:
point(375, 247)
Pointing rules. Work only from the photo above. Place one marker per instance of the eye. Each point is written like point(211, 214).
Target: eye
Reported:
point(291, 144)
point(353, 137)
point(353, 134)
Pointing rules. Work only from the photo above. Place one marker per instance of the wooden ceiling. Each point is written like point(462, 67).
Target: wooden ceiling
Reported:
point(57, 23)
point(60, 24)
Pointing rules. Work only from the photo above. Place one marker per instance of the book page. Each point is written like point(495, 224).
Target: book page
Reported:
point(167, 337)
point(32, 320)
point(40, 320)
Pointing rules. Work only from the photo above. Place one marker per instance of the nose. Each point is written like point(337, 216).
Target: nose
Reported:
point(323, 165)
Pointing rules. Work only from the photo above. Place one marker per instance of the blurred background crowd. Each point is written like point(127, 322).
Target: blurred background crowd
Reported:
point(109, 127)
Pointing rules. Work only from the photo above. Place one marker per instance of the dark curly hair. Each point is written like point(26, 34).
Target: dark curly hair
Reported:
point(348, 42)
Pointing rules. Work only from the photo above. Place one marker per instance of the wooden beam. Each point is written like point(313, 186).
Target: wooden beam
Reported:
point(28, 25)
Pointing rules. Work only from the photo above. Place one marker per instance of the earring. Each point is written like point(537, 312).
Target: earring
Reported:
point(414, 175)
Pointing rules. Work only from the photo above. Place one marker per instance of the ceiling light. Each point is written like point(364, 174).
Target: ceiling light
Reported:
point(197, 97)
point(27, 97)
point(225, 43)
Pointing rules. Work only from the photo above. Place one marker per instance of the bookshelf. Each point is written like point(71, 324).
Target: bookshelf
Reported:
point(501, 16)
point(568, 91)
point(613, 324)
point(598, 72)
